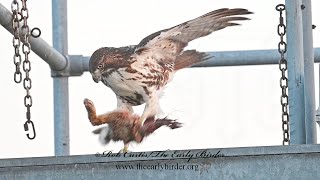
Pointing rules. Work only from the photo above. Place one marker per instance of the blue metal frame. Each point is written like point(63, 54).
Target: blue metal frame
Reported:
point(300, 55)
point(309, 85)
point(295, 71)
point(60, 84)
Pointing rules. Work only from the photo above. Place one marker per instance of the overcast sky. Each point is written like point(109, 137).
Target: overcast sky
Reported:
point(219, 106)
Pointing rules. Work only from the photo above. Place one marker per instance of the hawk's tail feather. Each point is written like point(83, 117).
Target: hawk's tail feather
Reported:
point(189, 58)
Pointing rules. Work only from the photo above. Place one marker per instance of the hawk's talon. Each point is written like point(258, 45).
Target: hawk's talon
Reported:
point(125, 148)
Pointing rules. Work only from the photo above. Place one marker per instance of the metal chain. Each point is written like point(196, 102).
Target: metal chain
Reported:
point(282, 48)
point(26, 48)
point(16, 40)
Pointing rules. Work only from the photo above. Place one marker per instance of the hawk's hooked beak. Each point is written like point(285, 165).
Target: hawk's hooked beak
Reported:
point(96, 78)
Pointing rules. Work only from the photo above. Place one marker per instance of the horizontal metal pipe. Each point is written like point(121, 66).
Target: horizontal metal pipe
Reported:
point(224, 58)
point(50, 55)
point(247, 57)
point(237, 58)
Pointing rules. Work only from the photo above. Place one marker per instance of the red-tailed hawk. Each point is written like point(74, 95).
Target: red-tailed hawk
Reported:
point(122, 125)
point(137, 74)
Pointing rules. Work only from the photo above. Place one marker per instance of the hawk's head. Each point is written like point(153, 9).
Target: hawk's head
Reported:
point(97, 64)
point(106, 60)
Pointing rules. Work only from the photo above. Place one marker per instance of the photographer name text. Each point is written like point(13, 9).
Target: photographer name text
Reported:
point(163, 154)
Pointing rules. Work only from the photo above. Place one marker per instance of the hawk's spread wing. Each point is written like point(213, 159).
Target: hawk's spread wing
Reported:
point(169, 43)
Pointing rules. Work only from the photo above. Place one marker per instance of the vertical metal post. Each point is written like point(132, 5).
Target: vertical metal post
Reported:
point(60, 84)
point(318, 110)
point(295, 71)
point(309, 89)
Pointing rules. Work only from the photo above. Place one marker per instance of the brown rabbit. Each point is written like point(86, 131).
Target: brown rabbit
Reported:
point(123, 125)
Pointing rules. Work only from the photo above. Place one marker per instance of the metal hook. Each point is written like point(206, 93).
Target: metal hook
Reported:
point(26, 128)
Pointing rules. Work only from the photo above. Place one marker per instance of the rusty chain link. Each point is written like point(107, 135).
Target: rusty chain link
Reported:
point(24, 32)
point(16, 40)
point(282, 48)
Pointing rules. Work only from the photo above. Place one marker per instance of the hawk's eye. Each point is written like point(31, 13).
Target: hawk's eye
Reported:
point(99, 66)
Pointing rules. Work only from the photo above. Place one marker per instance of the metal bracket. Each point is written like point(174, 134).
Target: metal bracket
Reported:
point(318, 116)
point(76, 65)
